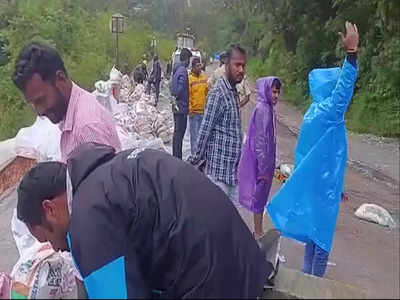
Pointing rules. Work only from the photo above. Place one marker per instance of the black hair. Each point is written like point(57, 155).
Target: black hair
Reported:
point(233, 48)
point(185, 54)
point(277, 84)
point(37, 58)
point(195, 61)
point(155, 57)
point(138, 76)
point(46, 180)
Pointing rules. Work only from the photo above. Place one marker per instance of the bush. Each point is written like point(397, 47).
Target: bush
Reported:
point(81, 36)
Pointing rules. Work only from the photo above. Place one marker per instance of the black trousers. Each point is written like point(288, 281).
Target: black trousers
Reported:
point(180, 122)
point(157, 88)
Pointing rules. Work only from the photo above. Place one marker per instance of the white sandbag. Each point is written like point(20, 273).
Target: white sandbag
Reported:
point(128, 139)
point(103, 93)
point(115, 76)
point(143, 144)
point(376, 214)
point(44, 274)
point(103, 87)
point(41, 141)
point(22, 237)
point(137, 93)
point(41, 272)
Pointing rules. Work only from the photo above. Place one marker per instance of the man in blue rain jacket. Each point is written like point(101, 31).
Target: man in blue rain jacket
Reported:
point(307, 206)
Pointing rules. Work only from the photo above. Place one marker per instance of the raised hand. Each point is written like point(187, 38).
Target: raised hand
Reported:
point(351, 39)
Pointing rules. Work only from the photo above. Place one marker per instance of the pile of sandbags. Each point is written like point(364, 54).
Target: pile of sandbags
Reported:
point(144, 116)
point(137, 93)
point(164, 126)
point(138, 116)
point(145, 121)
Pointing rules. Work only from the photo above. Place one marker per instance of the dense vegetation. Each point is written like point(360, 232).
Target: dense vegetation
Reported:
point(291, 37)
point(283, 37)
point(80, 32)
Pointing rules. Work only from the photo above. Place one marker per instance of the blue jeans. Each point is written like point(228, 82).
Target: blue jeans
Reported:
point(195, 123)
point(315, 260)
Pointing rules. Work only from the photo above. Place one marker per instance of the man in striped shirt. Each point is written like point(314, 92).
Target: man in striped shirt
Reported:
point(40, 74)
point(220, 137)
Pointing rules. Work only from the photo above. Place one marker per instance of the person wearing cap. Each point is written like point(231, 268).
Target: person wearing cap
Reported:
point(42, 77)
point(142, 225)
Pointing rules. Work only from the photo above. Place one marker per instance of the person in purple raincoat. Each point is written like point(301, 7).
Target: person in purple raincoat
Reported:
point(257, 164)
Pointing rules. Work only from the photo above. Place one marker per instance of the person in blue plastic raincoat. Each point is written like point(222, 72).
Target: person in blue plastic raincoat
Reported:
point(257, 164)
point(307, 206)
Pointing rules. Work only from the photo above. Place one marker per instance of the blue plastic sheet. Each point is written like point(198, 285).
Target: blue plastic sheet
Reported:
point(307, 206)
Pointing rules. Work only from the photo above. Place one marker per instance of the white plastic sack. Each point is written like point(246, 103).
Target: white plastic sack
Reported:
point(41, 141)
point(40, 272)
point(143, 144)
point(115, 76)
point(103, 87)
point(104, 100)
point(137, 93)
point(128, 139)
point(376, 214)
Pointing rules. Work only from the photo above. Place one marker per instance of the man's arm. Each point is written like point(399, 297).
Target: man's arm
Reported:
point(344, 89)
point(105, 271)
point(214, 108)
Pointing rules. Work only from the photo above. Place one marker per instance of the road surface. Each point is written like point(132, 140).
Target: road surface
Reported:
point(364, 254)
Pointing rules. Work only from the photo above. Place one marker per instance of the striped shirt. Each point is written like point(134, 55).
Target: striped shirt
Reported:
point(220, 136)
point(86, 121)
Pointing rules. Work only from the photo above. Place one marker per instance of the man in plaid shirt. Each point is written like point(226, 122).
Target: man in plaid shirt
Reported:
point(220, 137)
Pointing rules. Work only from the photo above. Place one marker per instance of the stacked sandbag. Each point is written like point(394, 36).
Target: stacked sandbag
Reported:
point(164, 126)
point(40, 272)
point(126, 89)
